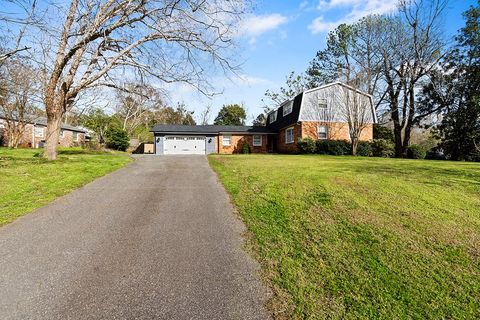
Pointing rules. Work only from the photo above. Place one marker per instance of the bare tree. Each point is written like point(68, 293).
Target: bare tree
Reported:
point(26, 15)
point(205, 115)
point(356, 110)
point(294, 84)
point(135, 102)
point(17, 94)
point(411, 47)
point(102, 41)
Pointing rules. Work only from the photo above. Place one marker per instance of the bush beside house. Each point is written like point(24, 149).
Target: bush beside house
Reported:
point(117, 139)
point(416, 151)
point(377, 148)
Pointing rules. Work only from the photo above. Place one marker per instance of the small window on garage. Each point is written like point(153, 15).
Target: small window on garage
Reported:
point(322, 132)
point(289, 137)
point(75, 136)
point(170, 138)
point(191, 138)
point(257, 140)
point(226, 140)
point(200, 138)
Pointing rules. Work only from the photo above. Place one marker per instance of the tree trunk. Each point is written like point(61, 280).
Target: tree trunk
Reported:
point(399, 150)
point(54, 121)
point(354, 146)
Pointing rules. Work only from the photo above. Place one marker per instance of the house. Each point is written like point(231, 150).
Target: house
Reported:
point(34, 133)
point(318, 113)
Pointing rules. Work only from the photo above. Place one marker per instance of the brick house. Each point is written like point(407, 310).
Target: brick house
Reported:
point(35, 132)
point(318, 113)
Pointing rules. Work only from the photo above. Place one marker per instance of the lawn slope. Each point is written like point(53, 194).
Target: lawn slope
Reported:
point(28, 181)
point(345, 237)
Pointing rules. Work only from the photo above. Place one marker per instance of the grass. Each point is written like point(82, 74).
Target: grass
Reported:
point(28, 181)
point(349, 238)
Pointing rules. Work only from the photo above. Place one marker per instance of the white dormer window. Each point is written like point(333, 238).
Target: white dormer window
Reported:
point(272, 117)
point(322, 103)
point(287, 109)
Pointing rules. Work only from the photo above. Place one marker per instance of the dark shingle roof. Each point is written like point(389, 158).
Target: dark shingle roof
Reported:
point(289, 119)
point(209, 129)
point(43, 122)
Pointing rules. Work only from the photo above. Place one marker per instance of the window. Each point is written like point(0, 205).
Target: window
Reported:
point(75, 136)
point(287, 109)
point(257, 140)
point(322, 132)
point(39, 132)
point(289, 138)
point(62, 134)
point(272, 117)
point(226, 140)
point(322, 103)
point(170, 138)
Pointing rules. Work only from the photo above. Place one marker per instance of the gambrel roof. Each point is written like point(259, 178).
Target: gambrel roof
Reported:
point(305, 110)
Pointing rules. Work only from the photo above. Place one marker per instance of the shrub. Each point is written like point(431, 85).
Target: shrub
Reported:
point(364, 149)
point(383, 148)
point(117, 139)
point(93, 145)
point(416, 151)
point(382, 132)
point(245, 148)
point(333, 147)
point(306, 145)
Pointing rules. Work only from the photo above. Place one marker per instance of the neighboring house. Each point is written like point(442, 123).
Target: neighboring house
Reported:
point(318, 113)
point(35, 131)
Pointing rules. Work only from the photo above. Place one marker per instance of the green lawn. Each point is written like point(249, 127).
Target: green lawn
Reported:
point(28, 181)
point(345, 237)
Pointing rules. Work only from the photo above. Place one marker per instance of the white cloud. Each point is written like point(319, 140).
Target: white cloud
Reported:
point(303, 5)
point(357, 10)
point(256, 25)
point(248, 80)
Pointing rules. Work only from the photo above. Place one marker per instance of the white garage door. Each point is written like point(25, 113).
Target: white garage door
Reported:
point(184, 145)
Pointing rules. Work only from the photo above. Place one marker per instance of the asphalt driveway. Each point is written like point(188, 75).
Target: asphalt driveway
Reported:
point(157, 239)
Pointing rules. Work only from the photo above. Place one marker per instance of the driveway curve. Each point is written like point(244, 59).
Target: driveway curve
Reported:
point(157, 239)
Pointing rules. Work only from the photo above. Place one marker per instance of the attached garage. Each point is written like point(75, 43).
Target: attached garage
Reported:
point(206, 139)
point(184, 145)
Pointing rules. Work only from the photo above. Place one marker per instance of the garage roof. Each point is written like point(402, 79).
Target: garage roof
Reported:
point(210, 129)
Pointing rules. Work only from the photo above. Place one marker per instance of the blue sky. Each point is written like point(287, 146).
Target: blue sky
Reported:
point(283, 36)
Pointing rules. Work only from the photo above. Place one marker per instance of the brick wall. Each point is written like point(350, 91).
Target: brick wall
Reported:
point(283, 147)
point(236, 144)
point(68, 141)
point(28, 139)
point(336, 131)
